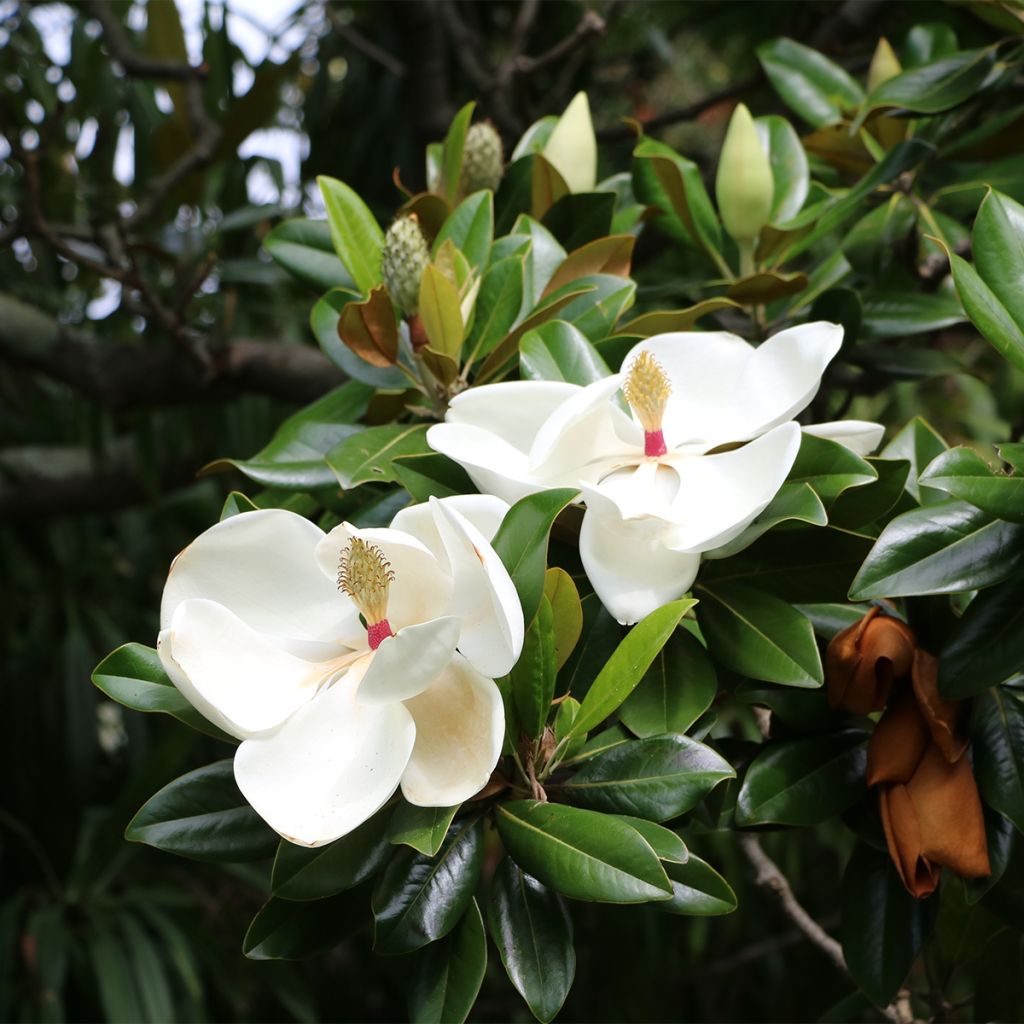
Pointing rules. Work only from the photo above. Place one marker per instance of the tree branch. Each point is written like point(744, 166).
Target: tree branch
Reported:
point(590, 27)
point(123, 375)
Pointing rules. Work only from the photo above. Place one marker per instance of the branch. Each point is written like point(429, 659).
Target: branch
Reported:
point(124, 375)
point(590, 27)
point(768, 876)
point(133, 63)
point(365, 46)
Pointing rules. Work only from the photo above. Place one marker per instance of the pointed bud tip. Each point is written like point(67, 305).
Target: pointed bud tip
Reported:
point(744, 185)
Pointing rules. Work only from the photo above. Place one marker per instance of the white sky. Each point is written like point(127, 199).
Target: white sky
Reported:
point(250, 23)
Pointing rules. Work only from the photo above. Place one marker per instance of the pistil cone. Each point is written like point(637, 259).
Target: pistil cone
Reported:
point(864, 660)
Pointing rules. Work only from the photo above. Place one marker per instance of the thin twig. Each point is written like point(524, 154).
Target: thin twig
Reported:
point(590, 27)
point(367, 47)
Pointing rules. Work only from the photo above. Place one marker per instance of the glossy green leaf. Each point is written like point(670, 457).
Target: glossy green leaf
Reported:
point(900, 314)
point(560, 351)
point(927, 43)
point(357, 236)
point(829, 468)
point(934, 87)
point(532, 930)
point(940, 549)
point(997, 734)
point(698, 890)
point(675, 691)
point(452, 151)
point(498, 303)
point(580, 217)
point(766, 286)
point(314, 873)
point(133, 676)
point(657, 778)
point(203, 815)
point(596, 312)
point(424, 476)
point(448, 974)
point(471, 228)
point(419, 899)
point(803, 782)
point(440, 312)
point(758, 635)
point(235, 503)
point(295, 456)
point(987, 313)
point(883, 926)
point(324, 319)
point(963, 474)
point(533, 675)
point(793, 502)
point(304, 248)
point(422, 828)
point(860, 506)
point(668, 845)
point(580, 853)
point(810, 84)
point(566, 610)
point(1013, 454)
point(290, 930)
point(544, 255)
point(522, 543)
point(987, 646)
point(628, 663)
point(789, 166)
point(366, 457)
point(998, 250)
point(919, 443)
point(664, 321)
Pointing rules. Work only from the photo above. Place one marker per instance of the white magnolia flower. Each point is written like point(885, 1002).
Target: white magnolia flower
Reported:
point(708, 441)
point(348, 663)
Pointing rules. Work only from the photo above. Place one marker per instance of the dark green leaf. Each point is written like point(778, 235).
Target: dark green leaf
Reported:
point(357, 236)
point(581, 854)
point(471, 228)
point(559, 351)
point(532, 930)
point(204, 816)
point(698, 890)
point(940, 549)
point(627, 665)
point(533, 675)
point(656, 778)
point(963, 474)
point(987, 313)
point(987, 646)
point(289, 930)
point(580, 217)
point(522, 543)
point(366, 457)
point(803, 782)
point(919, 443)
point(829, 467)
point(758, 635)
point(295, 456)
point(304, 873)
point(448, 974)
point(422, 828)
point(668, 845)
point(304, 248)
point(432, 475)
point(997, 733)
point(789, 166)
point(900, 314)
point(133, 676)
point(675, 691)
point(860, 506)
point(419, 899)
point(883, 926)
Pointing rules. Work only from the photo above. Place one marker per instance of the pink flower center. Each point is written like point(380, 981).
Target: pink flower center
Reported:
point(377, 633)
point(654, 443)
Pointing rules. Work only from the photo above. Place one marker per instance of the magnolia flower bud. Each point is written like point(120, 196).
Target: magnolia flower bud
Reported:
point(865, 659)
point(884, 65)
point(403, 260)
point(744, 186)
point(483, 161)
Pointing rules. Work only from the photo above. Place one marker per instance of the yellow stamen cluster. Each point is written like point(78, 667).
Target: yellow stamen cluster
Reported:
point(366, 575)
point(647, 388)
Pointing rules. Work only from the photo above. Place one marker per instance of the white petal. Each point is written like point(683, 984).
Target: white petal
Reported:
point(408, 662)
point(719, 495)
point(514, 410)
point(262, 566)
point(572, 146)
point(859, 436)
point(703, 368)
point(421, 589)
point(332, 765)
point(239, 679)
point(784, 374)
point(646, 490)
point(460, 726)
point(484, 597)
point(484, 511)
point(582, 435)
point(627, 562)
point(494, 466)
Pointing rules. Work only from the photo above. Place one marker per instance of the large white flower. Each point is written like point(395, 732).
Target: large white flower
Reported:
point(348, 663)
point(707, 442)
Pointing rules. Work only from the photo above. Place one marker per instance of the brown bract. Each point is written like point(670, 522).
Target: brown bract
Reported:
point(864, 660)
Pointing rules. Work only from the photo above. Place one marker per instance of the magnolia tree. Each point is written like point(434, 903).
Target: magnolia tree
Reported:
point(551, 590)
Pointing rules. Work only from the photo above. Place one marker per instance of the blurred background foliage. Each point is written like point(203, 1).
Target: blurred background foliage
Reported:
point(146, 151)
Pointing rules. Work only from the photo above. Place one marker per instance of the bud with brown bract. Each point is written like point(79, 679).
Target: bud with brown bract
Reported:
point(865, 659)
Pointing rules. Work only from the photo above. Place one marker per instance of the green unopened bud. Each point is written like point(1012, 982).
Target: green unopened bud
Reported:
point(744, 186)
point(483, 161)
point(405, 255)
point(884, 65)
